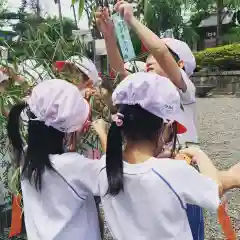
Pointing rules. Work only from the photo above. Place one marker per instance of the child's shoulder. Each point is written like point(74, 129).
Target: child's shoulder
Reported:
point(169, 163)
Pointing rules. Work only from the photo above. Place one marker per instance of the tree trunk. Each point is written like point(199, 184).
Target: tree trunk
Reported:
point(60, 16)
point(38, 9)
point(219, 21)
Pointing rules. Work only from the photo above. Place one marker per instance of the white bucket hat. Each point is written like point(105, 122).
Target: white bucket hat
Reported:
point(85, 65)
point(184, 53)
point(154, 93)
point(58, 104)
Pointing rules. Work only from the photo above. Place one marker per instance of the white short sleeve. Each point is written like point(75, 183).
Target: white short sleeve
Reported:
point(80, 172)
point(187, 97)
point(195, 188)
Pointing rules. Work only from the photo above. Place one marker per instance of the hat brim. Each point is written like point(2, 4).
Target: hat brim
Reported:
point(60, 65)
point(181, 128)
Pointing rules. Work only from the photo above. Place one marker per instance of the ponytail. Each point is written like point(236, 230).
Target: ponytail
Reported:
point(42, 141)
point(135, 124)
point(13, 130)
point(114, 163)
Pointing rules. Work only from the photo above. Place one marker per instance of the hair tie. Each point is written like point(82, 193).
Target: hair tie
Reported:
point(118, 119)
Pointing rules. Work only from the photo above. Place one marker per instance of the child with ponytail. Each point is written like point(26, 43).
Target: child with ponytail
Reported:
point(143, 197)
point(57, 186)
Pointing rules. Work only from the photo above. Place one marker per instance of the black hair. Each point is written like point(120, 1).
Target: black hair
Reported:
point(175, 56)
point(138, 125)
point(41, 141)
point(13, 130)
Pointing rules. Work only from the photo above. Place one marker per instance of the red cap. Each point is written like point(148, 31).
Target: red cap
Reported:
point(59, 65)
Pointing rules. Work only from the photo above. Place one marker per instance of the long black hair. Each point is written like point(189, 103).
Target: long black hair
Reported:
point(41, 141)
point(138, 125)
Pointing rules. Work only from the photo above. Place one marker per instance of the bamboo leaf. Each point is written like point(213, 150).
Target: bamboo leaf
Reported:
point(81, 8)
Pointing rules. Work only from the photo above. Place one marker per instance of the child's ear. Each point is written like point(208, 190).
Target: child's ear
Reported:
point(89, 83)
point(181, 64)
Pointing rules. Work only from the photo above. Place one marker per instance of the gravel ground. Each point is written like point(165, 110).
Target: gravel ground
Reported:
point(219, 133)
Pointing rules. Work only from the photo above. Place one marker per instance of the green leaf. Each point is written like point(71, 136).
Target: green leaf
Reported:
point(81, 4)
point(80, 8)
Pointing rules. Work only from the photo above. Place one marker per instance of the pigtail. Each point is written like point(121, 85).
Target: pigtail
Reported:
point(114, 163)
point(13, 130)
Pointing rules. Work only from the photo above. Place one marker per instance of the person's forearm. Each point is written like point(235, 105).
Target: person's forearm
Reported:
point(114, 57)
point(159, 51)
point(228, 181)
point(207, 168)
point(150, 40)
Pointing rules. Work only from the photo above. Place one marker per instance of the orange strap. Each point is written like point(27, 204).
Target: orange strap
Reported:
point(16, 223)
point(225, 222)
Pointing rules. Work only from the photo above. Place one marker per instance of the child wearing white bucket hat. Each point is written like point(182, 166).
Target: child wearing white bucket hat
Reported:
point(85, 74)
point(57, 187)
point(170, 58)
point(161, 60)
point(183, 56)
point(82, 72)
point(144, 197)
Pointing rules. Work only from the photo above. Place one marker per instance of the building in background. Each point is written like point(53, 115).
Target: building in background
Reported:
point(207, 29)
point(6, 33)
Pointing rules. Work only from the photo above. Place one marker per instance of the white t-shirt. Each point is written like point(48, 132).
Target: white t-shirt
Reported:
point(63, 210)
point(188, 100)
point(153, 204)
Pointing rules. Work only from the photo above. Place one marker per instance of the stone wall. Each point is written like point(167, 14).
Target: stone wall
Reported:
point(227, 82)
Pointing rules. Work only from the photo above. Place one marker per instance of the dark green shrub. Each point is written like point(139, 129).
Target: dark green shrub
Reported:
point(221, 58)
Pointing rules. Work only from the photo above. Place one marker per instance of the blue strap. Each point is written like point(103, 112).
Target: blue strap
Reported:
point(196, 221)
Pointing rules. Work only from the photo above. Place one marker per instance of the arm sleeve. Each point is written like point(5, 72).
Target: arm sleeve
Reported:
point(188, 96)
point(81, 173)
point(195, 188)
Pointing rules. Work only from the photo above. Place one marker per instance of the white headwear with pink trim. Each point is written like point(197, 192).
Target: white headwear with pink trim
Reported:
point(154, 93)
point(58, 104)
point(184, 53)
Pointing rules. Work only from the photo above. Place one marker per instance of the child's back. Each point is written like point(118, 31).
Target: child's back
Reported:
point(153, 203)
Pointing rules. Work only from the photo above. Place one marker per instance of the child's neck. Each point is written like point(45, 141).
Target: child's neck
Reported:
point(138, 153)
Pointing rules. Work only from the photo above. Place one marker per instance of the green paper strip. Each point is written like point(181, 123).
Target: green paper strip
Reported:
point(123, 37)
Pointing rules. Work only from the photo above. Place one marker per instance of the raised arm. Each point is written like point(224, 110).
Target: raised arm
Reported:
point(230, 178)
point(106, 26)
point(206, 166)
point(153, 43)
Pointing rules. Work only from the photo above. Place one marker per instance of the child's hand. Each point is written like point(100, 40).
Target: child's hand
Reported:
point(234, 172)
point(89, 92)
point(184, 157)
point(195, 154)
point(104, 22)
point(125, 9)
